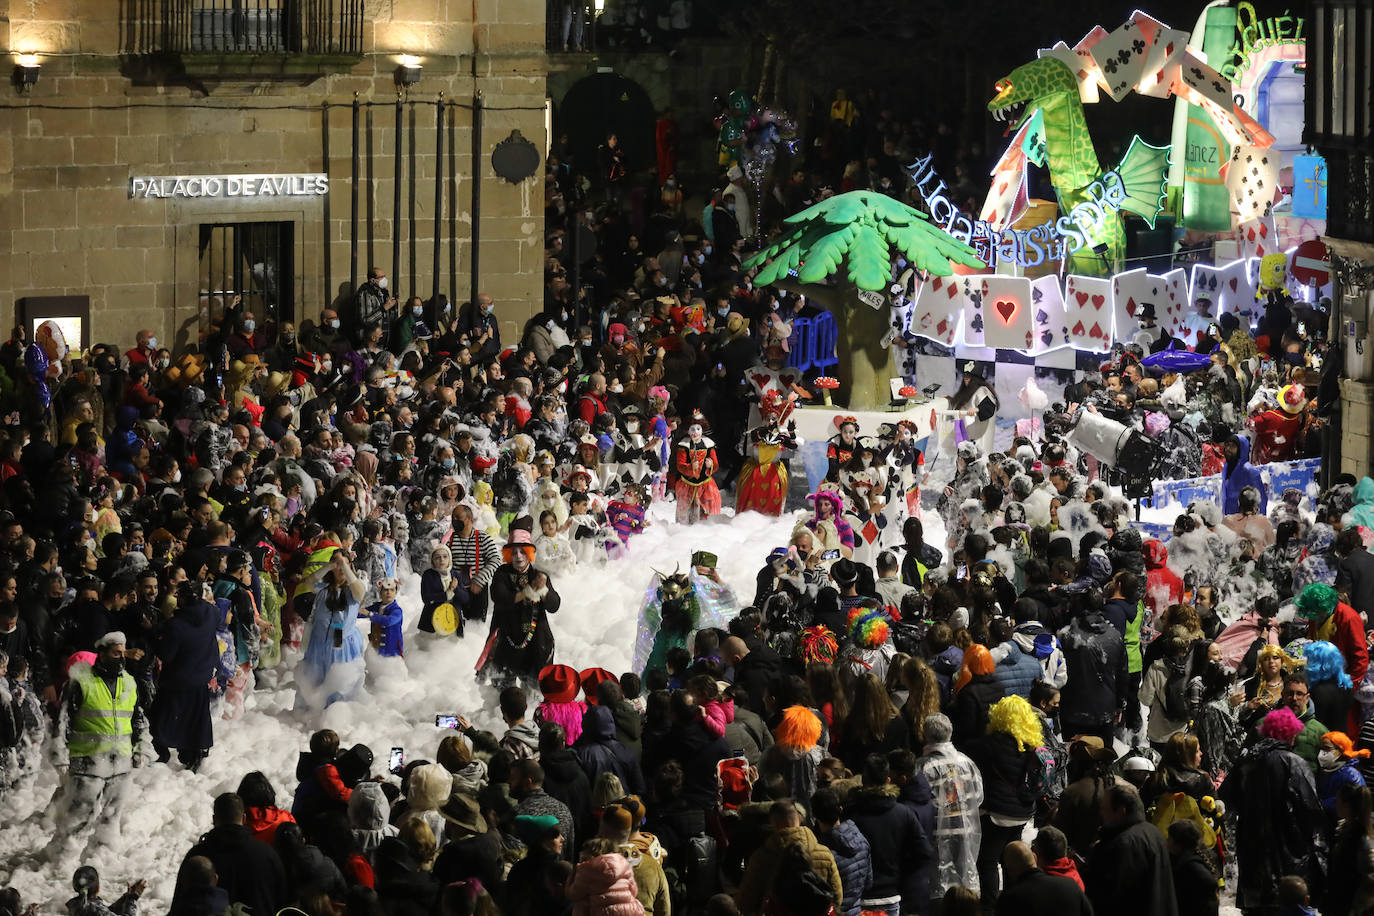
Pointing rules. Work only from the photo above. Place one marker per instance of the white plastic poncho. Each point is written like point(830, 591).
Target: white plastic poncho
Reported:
point(958, 790)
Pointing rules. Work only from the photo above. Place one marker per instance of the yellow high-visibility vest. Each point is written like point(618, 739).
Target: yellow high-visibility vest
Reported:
point(104, 722)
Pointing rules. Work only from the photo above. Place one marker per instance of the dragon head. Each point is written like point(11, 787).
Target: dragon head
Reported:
point(1041, 83)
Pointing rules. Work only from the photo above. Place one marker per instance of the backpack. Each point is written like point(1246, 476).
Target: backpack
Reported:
point(1043, 774)
point(797, 887)
point(1175, 700)
point(701, 872)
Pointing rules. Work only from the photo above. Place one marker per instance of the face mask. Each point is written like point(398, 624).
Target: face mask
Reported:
point(723, 312)
point(549, 324)
point(288, 336)
point(417, 310)
point(326, 366)
point(381, 283)
point(334, 324)
point(241, 487)
point(662, 281)
point(631, 427)
point(152, 343)
point(249, 325)
point(1329, 760)
point(447, 463)
point(163, 363)
point(706, 249)
point(730, 207)
point(564, 317)
point(111, 668)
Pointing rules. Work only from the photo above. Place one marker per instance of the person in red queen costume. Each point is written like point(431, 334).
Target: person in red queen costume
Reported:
point(695, 461)
point(762, 485)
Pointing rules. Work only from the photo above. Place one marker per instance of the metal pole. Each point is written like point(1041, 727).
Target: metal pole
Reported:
point(476, 195)
point(371, 197)
point(414, 167)
point(438, 196)
point(396, 200)
point(353, 184)
point(328, 228)
point(452, 203)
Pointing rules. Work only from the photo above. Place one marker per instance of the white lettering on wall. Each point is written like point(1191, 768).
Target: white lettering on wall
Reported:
point(221, 187)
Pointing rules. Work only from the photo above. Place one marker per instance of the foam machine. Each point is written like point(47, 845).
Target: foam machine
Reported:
point(1127, 451)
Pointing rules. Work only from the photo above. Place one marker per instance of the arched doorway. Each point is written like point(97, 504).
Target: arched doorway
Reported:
point(601, 104)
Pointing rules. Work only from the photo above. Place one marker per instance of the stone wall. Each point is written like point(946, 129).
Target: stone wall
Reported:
point(69, 147)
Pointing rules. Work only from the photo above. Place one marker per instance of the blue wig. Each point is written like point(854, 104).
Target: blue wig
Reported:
point(1325, 663)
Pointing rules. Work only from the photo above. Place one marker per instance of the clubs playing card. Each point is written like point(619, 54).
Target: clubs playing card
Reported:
point(973, 311)
point(938, 310)
point(1121, 58)
point(1252, 176)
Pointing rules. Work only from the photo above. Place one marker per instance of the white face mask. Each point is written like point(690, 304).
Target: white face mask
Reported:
point(334, 324)
point(417, 310)
point(381, 283)
point(249, 325)
point(1329, 760)
point(152, 343)
point(631, 426)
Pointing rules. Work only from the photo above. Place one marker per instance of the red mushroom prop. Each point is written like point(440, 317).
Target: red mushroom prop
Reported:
point(827, 385)
point(907, 391)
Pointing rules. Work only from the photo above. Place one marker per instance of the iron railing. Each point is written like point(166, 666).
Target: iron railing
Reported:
point(243, 27)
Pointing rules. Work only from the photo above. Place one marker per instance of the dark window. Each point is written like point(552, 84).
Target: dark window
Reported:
point(252, 260)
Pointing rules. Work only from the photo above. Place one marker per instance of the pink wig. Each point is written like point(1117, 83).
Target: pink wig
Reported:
point(567, 715)
point(1282, 725)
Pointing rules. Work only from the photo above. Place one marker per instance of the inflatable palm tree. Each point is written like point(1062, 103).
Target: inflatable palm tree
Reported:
point(859, 232)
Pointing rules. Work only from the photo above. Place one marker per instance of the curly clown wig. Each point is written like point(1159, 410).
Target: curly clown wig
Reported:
point(1281, 725)
point(868, 627)
point(1014, 716)
point(977, 660)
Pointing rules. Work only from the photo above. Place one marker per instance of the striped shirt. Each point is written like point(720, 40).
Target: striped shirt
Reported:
point(478, 554)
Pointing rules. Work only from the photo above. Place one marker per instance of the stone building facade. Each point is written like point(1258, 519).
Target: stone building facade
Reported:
point(128, 91)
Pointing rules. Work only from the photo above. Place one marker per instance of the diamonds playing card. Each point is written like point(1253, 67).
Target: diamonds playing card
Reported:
point(1130, 290)
point(939, 309)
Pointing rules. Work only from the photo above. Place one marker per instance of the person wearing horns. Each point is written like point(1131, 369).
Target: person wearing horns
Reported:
point(972, 412)
point(520, 642)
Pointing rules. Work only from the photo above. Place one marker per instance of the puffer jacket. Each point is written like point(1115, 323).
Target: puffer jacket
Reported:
point(898, 845)
point(1017, 669)
point(370, 813)
point(762, 870)
point(604, 886)
point(850, 849)
point(1163, 587)
point(598, 751)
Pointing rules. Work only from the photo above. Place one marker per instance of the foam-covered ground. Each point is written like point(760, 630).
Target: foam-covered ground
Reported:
point(167, 808)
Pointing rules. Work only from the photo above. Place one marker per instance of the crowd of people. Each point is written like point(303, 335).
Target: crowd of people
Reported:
point(1043, 711)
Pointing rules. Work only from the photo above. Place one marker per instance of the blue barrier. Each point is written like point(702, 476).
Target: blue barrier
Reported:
point(1155, 530)
point(799, 344)
point(1277, 476)
point(824, 335)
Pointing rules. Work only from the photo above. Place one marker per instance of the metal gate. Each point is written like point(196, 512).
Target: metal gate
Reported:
point(252, 260)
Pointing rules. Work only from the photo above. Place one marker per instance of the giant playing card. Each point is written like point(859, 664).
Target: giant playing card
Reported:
point(1088, 312)
point(1007, 313)
point(1130, 290)
point(939, 309)
point(1047, 314)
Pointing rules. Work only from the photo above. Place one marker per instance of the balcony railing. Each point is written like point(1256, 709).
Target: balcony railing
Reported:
point(244, 27)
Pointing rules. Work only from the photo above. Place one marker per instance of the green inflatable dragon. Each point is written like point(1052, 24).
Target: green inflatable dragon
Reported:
point(1047, 90)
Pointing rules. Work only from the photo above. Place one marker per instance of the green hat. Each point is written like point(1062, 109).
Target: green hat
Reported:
point(1317, 602)
point(704, 558)
point(533, 828)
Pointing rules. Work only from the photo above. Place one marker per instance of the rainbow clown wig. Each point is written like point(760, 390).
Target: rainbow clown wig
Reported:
point(818, 644)
point(869, 627)
point(1325, 663)
point(1016, 717)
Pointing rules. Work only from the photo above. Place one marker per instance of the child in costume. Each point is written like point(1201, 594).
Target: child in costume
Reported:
point(386, 617)
point(552, 552)
point(695, 462)
point(626, 514)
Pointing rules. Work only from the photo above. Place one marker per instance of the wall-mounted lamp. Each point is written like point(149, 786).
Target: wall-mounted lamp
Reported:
point(26, 71)
point(408, 73)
